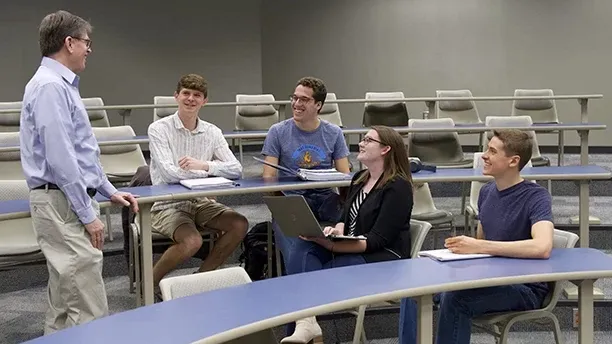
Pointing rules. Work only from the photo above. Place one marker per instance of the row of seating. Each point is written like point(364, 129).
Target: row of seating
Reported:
point(261, 117)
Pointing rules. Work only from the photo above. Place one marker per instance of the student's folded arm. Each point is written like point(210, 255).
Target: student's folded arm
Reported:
point(342, 165)
point(538, 247)
point(162, 154)
point(269, 171)
point(395, 212)
point(225, 163)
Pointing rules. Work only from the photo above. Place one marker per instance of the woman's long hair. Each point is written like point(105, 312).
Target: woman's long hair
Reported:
point(396, 163)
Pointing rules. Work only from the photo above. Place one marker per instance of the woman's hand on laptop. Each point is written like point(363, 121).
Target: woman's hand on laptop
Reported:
point(329, 230)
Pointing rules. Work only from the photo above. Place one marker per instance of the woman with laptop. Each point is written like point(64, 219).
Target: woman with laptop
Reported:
point(378, 207)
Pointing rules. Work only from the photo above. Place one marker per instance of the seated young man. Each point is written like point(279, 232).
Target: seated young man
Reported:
point(515, 221)
point(306, 141)
point(186, 147)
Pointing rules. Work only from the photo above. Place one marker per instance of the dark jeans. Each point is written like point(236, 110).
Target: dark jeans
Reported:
point(457, 308)
point(326, 207)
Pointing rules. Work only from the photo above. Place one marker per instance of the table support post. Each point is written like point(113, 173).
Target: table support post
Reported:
point(125, 113)
point(583, 219)
point(585, 311)
point(147, 253)
point(425, 319)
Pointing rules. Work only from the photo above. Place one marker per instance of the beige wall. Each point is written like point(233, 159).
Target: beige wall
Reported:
point(252, 46)
point(141, 48)
point(417, 46)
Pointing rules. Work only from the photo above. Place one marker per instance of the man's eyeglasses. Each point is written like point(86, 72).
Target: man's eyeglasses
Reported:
point(367, 139)
point(87, 41)
point(295, 99)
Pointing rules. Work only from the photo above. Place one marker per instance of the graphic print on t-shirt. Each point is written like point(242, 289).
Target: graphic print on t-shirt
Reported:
point(308, 156)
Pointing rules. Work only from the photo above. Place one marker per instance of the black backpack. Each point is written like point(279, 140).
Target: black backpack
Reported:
point(255, 253)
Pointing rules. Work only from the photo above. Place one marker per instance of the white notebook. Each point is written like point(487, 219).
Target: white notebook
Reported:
point(207, 183)
point(444, 255)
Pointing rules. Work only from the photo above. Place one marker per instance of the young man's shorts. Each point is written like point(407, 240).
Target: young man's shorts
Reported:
point(166, 221)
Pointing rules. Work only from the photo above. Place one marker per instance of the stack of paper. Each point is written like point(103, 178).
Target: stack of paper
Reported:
point(445, 255)
point(322, 174)
point(207, 183)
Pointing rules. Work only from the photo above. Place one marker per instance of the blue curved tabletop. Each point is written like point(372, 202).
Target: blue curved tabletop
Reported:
point(272, 302)
point(588, 172)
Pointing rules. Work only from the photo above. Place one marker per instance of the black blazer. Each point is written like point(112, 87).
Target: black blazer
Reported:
point(383, 218)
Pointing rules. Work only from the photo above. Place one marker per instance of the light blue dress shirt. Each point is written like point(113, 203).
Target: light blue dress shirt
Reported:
point(57, 142)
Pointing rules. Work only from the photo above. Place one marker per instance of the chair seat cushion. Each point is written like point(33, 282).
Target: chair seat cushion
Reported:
point(434, 217)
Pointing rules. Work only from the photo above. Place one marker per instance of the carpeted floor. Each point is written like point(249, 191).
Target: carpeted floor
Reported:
point(23, 298)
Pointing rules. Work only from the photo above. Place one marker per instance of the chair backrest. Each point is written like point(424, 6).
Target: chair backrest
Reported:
point(461, 111)
point(331, 112)
point(561, 239)
point(423, 201)
point(18, 244)
point(418, 232)
point(392, 114)
point(181, 286)
point(120, 159)
point(10, 162)
point(159, 113)
point(9, 121)
point(540, 110)
point(511, 121)
point(255, 117)
point(97, 118)
point(435, 147)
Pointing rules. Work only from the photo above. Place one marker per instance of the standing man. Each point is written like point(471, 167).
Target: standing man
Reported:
point(60, 159)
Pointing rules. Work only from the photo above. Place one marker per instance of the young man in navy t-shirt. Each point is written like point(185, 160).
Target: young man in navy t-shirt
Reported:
point(515, 221)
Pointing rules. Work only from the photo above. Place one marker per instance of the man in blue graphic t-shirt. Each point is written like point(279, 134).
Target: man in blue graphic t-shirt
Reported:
point(515, 221)
point(306, 141)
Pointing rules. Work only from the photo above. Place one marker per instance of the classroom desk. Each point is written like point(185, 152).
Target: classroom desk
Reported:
point(224, 314)
point(149, 194)
point(460, 128)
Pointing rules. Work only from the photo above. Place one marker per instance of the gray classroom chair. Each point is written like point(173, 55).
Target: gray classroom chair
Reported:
point(10, 162)
point(9, 121)
point(502, 322)
point(392, 114)
point(442, 149)
point(254, 117)
point(418, 232)
point(209, 237)
point(119, 162)
point(540, 111)
point(425, 210)
point(182, 286)
point(18, 243)
point(331, 112)
point(97, 118)
point(471, 209)
point(460, 111)
point(159, 113)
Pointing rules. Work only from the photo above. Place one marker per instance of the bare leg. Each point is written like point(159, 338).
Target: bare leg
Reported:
point(188, 242)
point(233, 227)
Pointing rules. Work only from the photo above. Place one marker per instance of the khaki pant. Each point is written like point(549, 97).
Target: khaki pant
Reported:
point(76, 292)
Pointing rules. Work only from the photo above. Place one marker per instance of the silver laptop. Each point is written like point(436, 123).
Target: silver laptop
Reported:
point(295, 218)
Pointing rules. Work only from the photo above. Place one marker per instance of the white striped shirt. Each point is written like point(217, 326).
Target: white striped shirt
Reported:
point(354, 210)
point(169, 141)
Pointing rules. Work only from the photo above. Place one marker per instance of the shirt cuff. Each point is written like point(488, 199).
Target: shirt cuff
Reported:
point(213, 168)
point(107, 189)
point(87, 215)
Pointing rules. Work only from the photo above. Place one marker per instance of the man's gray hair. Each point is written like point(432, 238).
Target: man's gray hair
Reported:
point(55, 27)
